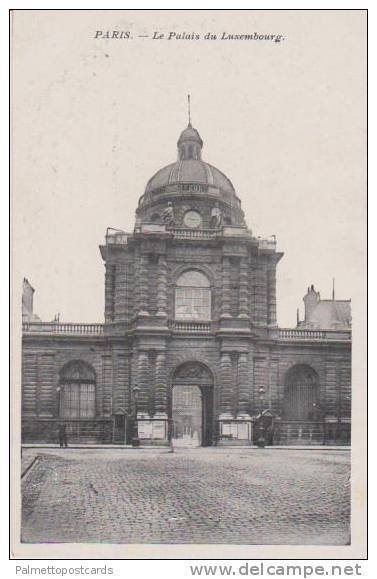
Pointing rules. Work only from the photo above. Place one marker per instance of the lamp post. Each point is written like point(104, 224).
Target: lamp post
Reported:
point(317, 412)
point(59, 399)
point(170, 434)
point(135, 441)
point(318, 415)
point(59, 408)
point(261, 442)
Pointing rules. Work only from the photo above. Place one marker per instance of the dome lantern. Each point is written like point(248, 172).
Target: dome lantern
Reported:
point(189, 143)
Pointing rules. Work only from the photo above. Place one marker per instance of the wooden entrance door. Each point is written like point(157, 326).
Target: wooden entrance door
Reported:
point(301, 393)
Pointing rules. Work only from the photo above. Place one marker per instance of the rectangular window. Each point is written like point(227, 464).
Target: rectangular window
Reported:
point(193, 303)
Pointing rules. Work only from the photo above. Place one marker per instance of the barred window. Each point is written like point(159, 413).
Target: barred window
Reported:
point(77, 391)
point(78, 401)
point(193, 297)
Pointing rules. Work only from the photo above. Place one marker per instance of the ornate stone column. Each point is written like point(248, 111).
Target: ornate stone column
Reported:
point(235, 426)
point(135, 283)
point(243, 385)
point(226, 391)
point(110, 277)
point(162, 293)
point(243, 294)
point(226, 289)
point(143, 375)
point(161, 386)
point(261, 313)
point(271, 284)
point(121, 291)
point(143, 286)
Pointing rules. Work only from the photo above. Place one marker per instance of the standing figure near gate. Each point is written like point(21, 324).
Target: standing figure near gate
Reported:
point(63, 435)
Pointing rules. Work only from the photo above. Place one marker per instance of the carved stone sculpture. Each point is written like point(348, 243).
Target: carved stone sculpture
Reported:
point(216, 217)
point(168, 215)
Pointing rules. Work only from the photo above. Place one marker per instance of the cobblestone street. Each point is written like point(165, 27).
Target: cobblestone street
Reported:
point(245, 496)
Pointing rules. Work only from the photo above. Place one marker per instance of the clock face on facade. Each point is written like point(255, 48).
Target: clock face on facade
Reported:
point(192, 219)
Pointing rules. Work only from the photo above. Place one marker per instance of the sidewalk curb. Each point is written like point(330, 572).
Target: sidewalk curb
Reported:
point(186, 449)
point(29, 466)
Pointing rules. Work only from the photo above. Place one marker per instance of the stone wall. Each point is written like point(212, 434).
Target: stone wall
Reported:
point(141, 276)
point(42, 361)
point(239, 368)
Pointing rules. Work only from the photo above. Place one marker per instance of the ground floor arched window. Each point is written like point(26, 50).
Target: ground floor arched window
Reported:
point(77, 389)
point(301, 392)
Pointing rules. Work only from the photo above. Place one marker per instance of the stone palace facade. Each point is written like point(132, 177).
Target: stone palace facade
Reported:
point(190, 303)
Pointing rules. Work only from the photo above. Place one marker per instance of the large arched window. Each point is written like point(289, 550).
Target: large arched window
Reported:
point(77, 390)
point(192, 296)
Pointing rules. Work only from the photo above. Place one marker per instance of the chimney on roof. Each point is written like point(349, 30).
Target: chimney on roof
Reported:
point(311, 299)
point(27, 300)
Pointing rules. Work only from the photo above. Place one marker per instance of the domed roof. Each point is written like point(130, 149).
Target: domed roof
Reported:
point(190, 180)
point(190, 171)
point(190, 168)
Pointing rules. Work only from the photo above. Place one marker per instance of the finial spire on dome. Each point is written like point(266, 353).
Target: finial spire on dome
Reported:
point(189, 143)
point(189, 110)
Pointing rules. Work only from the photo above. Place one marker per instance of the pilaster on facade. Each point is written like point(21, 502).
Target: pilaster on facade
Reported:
point(260, 313)
point(136, 282)
point(104, 402)
point(46, 373)
point(273, 384)
point(121, 291)
point(243, 292)
point(243, 382)
point(271, 295)
point(260, 381)
point(161, 399)
point(143, 286)
point(30, 384)
point(110, 281)
point(226, 386)
point(332, 390)
point(346, 390)
point(162, 287)
point(121, 391)
point(234, 421)
point(226, 288)
point(143, 382)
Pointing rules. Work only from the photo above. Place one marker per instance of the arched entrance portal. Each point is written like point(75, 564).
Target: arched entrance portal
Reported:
point(192, 405)
point(187, 414)
point(301, 392)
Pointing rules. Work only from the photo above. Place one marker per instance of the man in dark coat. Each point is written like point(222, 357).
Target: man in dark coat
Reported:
point(63, 435)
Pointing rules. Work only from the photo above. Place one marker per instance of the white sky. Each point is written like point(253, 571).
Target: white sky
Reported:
point(94, 119)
